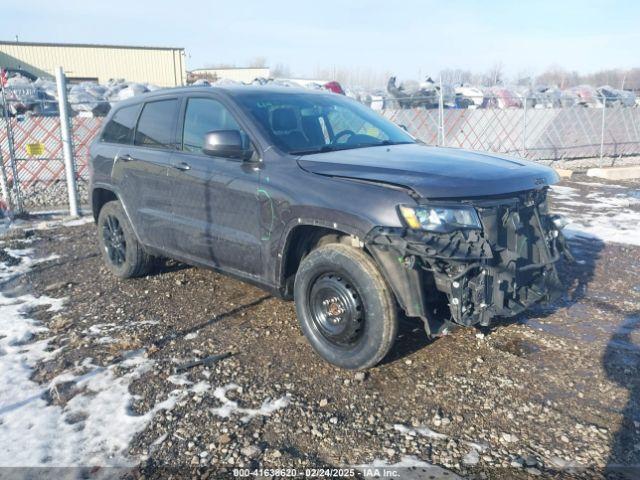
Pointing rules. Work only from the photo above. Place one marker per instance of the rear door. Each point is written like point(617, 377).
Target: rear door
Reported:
point(140, 171)
point(215, 199)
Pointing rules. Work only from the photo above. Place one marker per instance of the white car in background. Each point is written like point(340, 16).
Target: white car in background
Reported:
point(473, 94)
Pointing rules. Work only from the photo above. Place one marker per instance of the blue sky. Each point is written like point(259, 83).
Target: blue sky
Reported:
point(408, 38)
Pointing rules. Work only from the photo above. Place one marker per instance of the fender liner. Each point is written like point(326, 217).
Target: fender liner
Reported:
point(345, 224)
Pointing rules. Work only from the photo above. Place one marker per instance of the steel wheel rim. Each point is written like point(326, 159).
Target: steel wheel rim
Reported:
point(336, 310)
point(114, 242)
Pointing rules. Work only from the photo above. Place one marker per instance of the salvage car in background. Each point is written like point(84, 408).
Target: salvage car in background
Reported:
point(23, 94)
point(316, 198)
point(501, 97)
point(614, 97)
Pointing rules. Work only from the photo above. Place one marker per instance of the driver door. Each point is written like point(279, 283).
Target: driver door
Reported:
point(215, 203)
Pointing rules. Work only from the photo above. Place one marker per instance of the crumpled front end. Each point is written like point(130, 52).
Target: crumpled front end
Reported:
point(479, 274)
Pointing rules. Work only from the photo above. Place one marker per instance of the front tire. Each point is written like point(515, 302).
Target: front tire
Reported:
point(121, 251)
point(345, 307)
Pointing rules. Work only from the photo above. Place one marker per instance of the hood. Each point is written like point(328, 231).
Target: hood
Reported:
point(433, 172)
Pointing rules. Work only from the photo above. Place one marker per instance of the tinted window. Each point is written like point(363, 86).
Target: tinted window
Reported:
point(204, 115)
point(155, 127)
point(120, 127)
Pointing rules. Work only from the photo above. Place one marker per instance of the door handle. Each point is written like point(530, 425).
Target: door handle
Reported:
point(124, 158)
point(183, 166)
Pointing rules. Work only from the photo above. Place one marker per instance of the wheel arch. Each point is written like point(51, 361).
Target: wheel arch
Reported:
point(99, 197)
point(302, 236)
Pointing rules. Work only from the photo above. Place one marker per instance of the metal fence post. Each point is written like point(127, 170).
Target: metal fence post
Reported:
point(441, 112)
point(67, 145)
point(524, 129)
point(17, 197)
point(604, 109)
point(6, 193)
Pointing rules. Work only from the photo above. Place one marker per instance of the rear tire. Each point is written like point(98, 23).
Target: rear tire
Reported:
point(122, 253)
point(345, 307)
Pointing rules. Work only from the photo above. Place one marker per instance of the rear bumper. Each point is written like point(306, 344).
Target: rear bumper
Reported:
point(479, 275)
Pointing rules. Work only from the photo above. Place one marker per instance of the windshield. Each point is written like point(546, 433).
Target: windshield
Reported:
point(305, 123)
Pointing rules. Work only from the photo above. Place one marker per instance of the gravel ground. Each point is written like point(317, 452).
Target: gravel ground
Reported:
point(52, 195)
point(553, 393)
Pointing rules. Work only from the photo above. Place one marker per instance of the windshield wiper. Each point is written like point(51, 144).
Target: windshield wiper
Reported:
point(335, 148)
point(389, 142)
point(322, 149)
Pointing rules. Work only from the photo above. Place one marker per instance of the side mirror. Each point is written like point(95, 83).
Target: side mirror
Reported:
point(225, 143)
point(404, 127)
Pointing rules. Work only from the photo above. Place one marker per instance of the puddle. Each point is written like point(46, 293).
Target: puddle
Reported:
point(579, 321)
point(518, 347)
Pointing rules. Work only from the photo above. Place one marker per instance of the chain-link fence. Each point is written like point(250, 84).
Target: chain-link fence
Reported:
point(39, 161)
point(527, 129)
point(32, 150)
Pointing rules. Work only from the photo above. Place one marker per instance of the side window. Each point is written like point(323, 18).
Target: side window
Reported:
point(155, 127)
point(205, 115)
point(120, 127)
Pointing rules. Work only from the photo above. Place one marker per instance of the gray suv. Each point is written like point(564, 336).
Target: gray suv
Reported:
point(314, 197)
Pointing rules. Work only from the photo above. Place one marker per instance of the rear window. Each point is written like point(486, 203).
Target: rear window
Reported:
point(155, 127)
point(120, 127)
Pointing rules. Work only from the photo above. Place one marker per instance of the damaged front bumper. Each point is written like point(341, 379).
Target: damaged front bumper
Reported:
point(469, 277)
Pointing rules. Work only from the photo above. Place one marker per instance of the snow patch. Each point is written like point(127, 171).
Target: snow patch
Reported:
point(27, 262)
point(471, 458)
point(78, 221)
point(564, 193)
point(84, 416)
point(94, 427)
point(229, 407)
point(180, 379)
point(44, 220)
point(423, 431)
point(621, 227)
point(609, 213)
point(200, 387)
point(570, 466)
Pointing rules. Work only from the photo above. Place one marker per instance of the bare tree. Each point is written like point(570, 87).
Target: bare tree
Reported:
point(258, 62)
point(281, 70)
point(494, 75)
point(354, 77)
point(455, 76)
point(524, 78)
point(560, 77)
point(220, 65)
point(632, 79)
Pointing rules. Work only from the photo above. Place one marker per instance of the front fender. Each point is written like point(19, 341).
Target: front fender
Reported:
point(346, 223)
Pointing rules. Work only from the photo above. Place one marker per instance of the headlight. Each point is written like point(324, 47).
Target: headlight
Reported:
point(559, 221)
point(440, 219)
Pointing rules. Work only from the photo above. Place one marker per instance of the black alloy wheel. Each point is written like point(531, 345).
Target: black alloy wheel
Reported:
point(114, 241)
